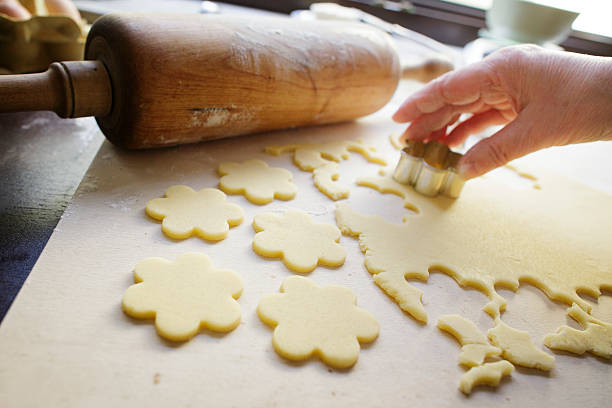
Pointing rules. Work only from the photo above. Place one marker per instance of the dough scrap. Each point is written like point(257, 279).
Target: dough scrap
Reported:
point(524, 175)
point(184, 296)
point(185, 212)
point(473, 355)
point(325, 177)
point(488, 374)
point(493, 235)
point(311, 156)
point(300, 242)
point(520, 173)
point(322, 158)
point(462, 329)
point(595, 338)
point(518, 348)
point(389, 185)
point(259, 183)
point(323, 321)
point(475, 347)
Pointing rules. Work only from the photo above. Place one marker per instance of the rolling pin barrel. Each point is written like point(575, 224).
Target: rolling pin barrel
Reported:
point(159, 80)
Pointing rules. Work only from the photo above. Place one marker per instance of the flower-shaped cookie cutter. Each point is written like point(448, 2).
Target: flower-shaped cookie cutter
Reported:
point(31, 45)
point(431, 168)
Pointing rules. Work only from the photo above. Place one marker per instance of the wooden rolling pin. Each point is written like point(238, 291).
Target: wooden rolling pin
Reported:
point(159, 80)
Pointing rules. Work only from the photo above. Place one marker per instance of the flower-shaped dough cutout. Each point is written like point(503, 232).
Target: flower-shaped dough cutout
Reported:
point(323, 321)
point(259, 183)
point(184, 296)
point(185, 212)
point(300, 242)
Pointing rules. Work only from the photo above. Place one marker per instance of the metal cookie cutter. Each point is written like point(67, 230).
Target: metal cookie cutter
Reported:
point(431, 168)
point(31, 45)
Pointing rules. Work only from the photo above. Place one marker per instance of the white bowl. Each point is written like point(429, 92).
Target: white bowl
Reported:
point(528, 22)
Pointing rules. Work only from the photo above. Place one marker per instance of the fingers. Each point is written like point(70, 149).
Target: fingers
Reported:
point(13, 9)
point(515, 140)
point(437, 135)
point(63, 7)
point(422, 128)
point(475, 124)
point(424, 125)
point(460, 87)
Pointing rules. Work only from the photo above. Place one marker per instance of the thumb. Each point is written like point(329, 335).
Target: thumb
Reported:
point(514, 140)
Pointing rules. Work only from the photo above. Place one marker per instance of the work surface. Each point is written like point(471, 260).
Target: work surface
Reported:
point(66, 341)
point(42, 160)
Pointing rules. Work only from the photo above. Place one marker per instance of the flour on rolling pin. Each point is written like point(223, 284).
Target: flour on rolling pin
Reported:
point(214, 117)
point(302, 51)
point(208, 77)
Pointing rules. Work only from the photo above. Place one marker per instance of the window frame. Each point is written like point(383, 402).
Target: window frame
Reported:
point(450, 23)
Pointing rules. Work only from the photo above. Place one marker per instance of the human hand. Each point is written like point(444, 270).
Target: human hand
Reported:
point(13, 8)
point(544, 98)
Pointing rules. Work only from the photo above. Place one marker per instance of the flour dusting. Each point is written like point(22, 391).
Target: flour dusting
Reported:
point(283, 53)
point(36, 122)
point(218, 117)
point(124, 204)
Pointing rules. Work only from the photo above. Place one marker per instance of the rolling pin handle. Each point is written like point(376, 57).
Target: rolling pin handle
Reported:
point(70, 89)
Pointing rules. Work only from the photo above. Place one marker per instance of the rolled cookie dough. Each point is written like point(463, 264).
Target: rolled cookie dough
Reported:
point(389, 185)
point(464, 330)
point(184, 296)
point(259, 183)
point(312, 320)
point(595, 338)
point(475, 347)
point(322, 160)
point(473, 355)
point(311, 156)
point(518, 348)
point(325, 178)
point(300, 242)
point(185, 212)
point(514, 345)
point(555, 239)
point(488, 374)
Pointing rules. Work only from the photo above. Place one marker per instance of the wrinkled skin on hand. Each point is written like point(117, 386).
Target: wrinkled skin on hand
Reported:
point(544, 98)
